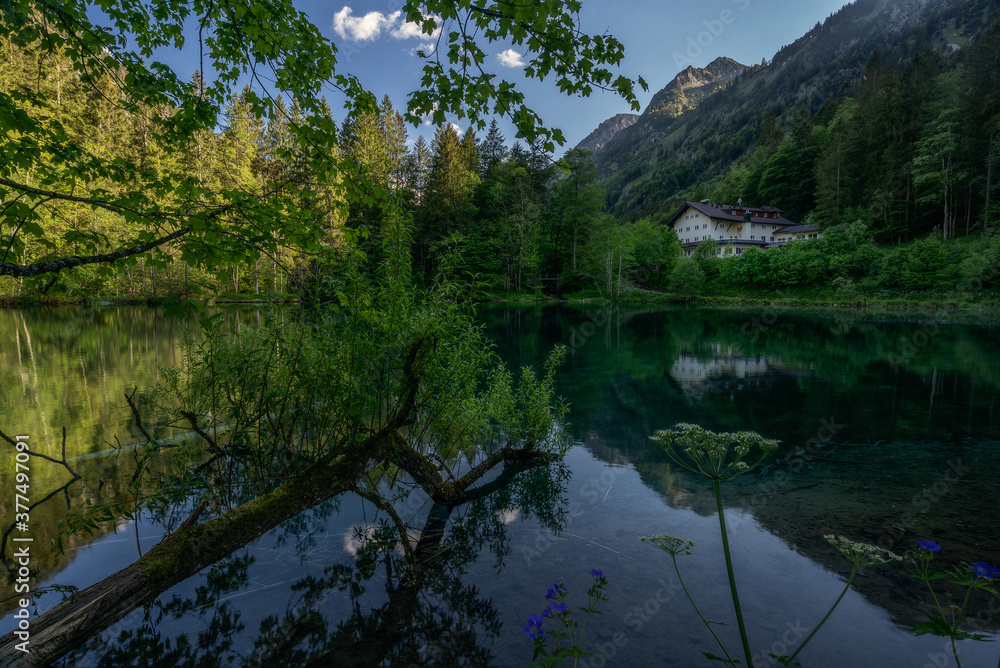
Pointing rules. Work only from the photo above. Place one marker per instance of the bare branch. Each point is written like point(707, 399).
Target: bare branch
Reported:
point(62, 462)
point(136, 416)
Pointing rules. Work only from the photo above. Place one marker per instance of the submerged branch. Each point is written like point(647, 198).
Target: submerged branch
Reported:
point(188, 550)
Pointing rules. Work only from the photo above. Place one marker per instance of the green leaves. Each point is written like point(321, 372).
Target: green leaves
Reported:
point(557, 47)
point(940, 627)
point(109, 150)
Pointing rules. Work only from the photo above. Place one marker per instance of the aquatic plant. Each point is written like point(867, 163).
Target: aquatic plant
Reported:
point(568, 635)
point(674, 545)
point(724, 456)
point(859, 554)
point(948, 623)
point(717, 456)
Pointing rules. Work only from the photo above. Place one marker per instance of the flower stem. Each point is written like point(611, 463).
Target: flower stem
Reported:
point(579, 643)
point(829, 612)
point(732, 577)
point(934, 596)
point(591, 601)
point(954, 626)
point(708, 624)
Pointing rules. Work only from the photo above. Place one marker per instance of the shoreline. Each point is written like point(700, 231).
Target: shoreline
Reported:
point(942, 302)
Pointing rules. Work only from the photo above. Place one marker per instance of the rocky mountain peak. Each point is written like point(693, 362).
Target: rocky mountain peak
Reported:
point(672, 98)
point(606, 131)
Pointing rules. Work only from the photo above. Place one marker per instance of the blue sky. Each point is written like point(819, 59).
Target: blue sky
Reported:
point(660, 38)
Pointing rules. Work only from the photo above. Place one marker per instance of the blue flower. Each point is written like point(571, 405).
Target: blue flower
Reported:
point(534, 626)
point(554, 591)
point(985, 570)
point(596, 573)
point(929, 545)
point(554, 608)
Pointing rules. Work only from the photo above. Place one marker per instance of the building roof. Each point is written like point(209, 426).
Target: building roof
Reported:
point(728, 213)
point(798, 229)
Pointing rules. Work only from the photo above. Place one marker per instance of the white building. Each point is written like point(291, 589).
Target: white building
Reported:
point(735, 228)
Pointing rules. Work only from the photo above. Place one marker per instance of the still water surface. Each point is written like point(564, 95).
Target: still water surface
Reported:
point(901, 412)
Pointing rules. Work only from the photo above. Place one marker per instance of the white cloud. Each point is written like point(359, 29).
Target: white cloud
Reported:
point(406, 30)
point(358, 29)
point(370, 26)
point(510, 58)
point(458, 130)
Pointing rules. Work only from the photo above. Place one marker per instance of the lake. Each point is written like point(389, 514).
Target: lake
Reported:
point(890, 430)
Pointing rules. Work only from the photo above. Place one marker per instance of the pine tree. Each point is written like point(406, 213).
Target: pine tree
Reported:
point(577, 201)
point(453, 176)
point(494, 149)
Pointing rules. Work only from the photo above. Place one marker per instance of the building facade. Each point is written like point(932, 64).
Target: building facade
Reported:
point(735, 228)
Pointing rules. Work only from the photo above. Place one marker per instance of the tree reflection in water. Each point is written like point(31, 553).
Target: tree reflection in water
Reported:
point(429, 615)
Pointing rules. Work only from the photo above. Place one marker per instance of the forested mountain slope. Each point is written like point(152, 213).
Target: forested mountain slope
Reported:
point(648, 167)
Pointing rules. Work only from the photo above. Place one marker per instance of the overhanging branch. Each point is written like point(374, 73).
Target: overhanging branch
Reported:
point(51, 266)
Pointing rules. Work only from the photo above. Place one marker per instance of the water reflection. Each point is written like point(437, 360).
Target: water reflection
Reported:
point(887, 406)
point(906, 415)
point(391, 591)
point(727, 371)
point(69, 368)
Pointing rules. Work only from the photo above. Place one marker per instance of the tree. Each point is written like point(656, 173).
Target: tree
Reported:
point(494, 149)
point(610, 255)
point(656, 250)
point(418, 166)
point(44, 169)
point(376, 140)
point(447, 198)
point(788, 180)
point(577, 202)
point(833, 174)
point(980, 113)
point(509, 207)
point(938, 173)
point(750, 267)
point(687, 278)
point(311, 409)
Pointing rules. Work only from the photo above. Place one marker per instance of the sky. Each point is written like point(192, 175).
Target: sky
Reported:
point(661, 38)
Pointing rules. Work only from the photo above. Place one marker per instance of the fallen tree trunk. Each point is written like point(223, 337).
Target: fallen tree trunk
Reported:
point(187, 551)
point(178, 557)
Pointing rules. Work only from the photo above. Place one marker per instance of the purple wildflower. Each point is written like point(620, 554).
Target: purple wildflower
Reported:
point(986, 570)
point(554, 608)
point(534, 626)
point(929, 545)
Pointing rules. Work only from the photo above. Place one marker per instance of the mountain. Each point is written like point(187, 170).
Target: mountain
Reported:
point(691, 86)
point(684, 92)
point(606, 131)
point(705, 120)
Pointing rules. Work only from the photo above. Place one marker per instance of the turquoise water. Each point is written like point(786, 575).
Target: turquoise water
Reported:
point(900, 412)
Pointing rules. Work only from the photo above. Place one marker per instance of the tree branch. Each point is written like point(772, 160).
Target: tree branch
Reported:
point(50, 266)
